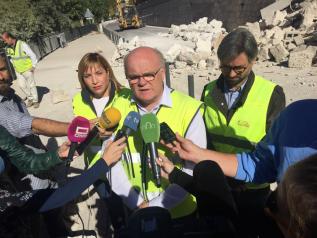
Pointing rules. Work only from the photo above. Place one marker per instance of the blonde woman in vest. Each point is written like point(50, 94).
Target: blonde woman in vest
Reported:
point(99, 88)
point(24, 61)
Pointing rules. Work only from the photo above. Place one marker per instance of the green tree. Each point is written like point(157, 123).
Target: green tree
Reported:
point(17, 17)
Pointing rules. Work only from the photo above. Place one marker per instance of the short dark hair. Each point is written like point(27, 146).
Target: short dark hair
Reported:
point(236, 42)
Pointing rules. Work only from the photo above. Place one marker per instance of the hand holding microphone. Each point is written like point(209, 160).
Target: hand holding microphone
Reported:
point(109, 119)
point(150, 130)
point(77, 132)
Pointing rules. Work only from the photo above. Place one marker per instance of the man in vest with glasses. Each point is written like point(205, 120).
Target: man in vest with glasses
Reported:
point(240, 108)
point(24, 61)
point(145, 72)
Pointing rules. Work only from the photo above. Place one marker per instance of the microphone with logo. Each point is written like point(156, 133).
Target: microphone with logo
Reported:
point(130, 124)
point(109, 119)
point(77, 133)
point(150, 130)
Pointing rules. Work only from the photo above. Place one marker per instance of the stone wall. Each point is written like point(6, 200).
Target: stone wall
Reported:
point(231, 12)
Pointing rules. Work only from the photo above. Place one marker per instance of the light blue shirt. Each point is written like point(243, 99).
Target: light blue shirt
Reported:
point(293, 137)
point(232, 96)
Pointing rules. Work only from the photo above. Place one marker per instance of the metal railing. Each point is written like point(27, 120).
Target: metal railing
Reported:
point(42, 46)
point(113, 36)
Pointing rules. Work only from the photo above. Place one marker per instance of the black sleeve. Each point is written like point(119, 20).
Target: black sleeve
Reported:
point(182, 179)
point(276, 105)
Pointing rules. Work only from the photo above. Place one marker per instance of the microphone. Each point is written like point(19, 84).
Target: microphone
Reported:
point(109, 119)
point(150, 130)
point(130, 124)
point(77, 132)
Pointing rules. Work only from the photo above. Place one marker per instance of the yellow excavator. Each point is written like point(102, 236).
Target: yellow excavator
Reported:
point(128, 16)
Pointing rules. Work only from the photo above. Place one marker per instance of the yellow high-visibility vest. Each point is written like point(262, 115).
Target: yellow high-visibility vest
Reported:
point(247, 125)
point(21, 61)
point(179, 118)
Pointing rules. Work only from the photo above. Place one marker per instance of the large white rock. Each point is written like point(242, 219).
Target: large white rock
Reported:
point(278, 18)
point(301, 59)
point(183, 27)
point(203, 46)
point(173, 52)
point(189, 57)
point(279, 52)
point(216, 24)
point(278, 35)
point(202, 64)
point(180, 64)
point(254, 28)
point(202, 21)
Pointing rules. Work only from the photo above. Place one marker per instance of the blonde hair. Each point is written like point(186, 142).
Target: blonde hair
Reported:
point(91, 59)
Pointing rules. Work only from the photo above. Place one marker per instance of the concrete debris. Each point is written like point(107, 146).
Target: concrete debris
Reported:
point(180, 64)
point(283, 34)
point(279, 53)
point(302, 59)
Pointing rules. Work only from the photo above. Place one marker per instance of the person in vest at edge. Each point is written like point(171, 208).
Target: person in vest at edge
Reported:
point(280, 156)
point(145, 72)
point(240, 107)
point(24, 61)
point(99, 88)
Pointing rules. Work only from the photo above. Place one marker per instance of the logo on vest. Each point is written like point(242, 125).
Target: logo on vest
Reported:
point(243, 123)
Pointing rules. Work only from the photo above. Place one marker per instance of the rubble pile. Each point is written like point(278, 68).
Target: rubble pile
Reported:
point(286, 36)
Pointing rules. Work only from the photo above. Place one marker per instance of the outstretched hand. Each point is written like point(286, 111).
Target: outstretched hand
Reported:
point(63, 150)
point(166, 166)
point(114, 150)
point(185, 148)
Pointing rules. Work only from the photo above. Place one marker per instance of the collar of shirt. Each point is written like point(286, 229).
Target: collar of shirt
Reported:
point(232, 95)
point(166, 100)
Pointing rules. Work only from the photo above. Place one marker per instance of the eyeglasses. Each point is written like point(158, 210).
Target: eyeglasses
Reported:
point(147, 77)
point(226, 69)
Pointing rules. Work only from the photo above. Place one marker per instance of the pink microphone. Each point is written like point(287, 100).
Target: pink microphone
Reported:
point(77, 133)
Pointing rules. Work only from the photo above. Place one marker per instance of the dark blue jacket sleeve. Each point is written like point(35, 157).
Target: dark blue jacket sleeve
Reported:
point(75, 187)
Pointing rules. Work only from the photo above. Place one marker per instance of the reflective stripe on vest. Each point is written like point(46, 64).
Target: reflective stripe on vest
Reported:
point(246, 127)
point(21, 61)
point(178, 118)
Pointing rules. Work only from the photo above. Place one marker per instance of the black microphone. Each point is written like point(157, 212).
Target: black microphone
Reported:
point(77, 132)
point(150, 130)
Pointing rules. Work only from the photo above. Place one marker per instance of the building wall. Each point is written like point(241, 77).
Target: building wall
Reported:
point(231, 12)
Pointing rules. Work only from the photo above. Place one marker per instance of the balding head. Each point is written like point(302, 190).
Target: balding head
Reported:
point(145, 71)
point(151, 54)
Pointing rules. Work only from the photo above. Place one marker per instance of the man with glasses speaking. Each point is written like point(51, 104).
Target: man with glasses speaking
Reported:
point(145, 72)
point(240, 108)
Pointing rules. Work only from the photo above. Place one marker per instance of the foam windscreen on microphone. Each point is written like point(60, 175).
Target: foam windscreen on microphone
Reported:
point(109, 118)
point(150, 128)
point(132, 120)
point(78, 129)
